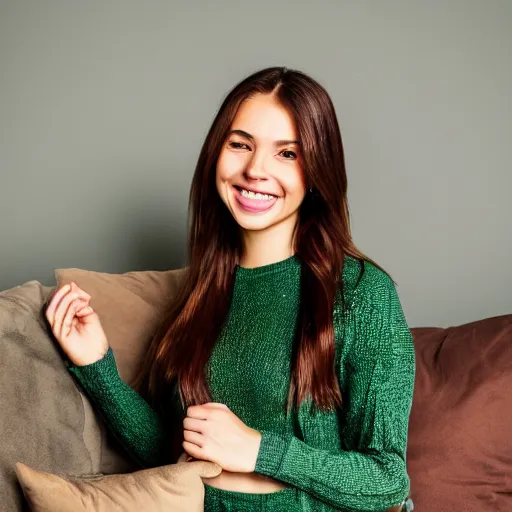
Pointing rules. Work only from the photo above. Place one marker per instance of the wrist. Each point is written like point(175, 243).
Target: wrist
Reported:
point(90, 359)
point(271, 454)
point(254, 450)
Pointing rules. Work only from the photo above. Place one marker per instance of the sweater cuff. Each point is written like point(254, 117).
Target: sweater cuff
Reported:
point(92, 375)
point(271, 453)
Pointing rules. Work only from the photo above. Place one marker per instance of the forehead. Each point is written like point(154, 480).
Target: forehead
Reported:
point(264, 117)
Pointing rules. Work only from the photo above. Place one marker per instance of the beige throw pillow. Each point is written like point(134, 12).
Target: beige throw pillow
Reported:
point(131, 307)
point(175, 487)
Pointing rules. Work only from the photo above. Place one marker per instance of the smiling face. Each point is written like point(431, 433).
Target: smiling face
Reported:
point(259, 175)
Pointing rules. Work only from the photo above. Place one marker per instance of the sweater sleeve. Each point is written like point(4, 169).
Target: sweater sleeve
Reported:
point(377, 402)
point(131, 420)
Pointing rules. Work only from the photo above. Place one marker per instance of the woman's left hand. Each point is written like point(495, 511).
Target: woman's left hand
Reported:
point(212, 432)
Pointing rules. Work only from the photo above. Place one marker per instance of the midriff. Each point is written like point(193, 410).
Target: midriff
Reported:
point(253, 483)
point(245, 482)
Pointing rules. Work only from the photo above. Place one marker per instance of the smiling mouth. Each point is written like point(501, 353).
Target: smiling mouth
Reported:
point(254, 202)
point(255, 196)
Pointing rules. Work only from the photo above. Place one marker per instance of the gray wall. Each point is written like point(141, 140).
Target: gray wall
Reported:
point(104, 106)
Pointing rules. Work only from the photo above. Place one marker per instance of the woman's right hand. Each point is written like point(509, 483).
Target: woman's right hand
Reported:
point(76, 326)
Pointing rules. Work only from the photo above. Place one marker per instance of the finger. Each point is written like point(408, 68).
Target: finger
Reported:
point(198, 412)
point(54, 302)
point(89, 316)
point(61, 310)
point(193, 437)
point(194, 424)
point(216, 405)
point(71, 315)
point(85, 311)
point(193, 450)
point(82, 304)
point(67, 322)
point(81, 293)
point(57, 299)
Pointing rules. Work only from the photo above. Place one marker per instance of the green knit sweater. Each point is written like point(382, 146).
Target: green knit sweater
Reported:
point(349, 459)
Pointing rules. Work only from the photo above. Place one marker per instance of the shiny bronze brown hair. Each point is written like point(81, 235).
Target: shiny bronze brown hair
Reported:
point(182, 347)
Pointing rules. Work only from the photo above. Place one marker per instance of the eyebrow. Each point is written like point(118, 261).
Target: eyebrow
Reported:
point(242, 133)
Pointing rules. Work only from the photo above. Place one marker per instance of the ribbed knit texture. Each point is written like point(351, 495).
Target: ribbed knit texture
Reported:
point(349, 459)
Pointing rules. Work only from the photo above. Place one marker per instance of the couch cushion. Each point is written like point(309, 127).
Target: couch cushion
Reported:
point(460, 435)
point(131, 307)
point(42, 419)
point(175, 487)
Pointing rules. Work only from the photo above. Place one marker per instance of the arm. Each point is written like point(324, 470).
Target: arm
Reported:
point(128, 416)
point(377, 403)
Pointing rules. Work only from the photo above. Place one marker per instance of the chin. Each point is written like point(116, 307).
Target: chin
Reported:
point(250, 223)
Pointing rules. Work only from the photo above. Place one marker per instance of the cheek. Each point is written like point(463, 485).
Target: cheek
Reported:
point(228, 165)
point(295, 184)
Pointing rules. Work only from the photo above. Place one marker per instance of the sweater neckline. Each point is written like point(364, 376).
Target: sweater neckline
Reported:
point(270, 269)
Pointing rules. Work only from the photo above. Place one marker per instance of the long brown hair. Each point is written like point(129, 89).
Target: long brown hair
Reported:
point(182, 347)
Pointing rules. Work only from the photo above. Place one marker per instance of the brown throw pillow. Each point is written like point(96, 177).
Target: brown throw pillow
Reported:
point(459, 453)
point(176, 487)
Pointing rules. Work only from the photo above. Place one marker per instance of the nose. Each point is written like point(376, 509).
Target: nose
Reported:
point(255, 170)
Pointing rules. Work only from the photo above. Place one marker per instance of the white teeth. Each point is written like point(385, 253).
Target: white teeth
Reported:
point(252, 195)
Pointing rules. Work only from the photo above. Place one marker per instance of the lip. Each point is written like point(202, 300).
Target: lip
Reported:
point(254, 205)
point(254, 190)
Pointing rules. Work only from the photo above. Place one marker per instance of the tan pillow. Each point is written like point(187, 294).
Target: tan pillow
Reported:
point(131, 307)
point(176, 487)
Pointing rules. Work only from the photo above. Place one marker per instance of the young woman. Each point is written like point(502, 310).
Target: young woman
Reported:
point(286, 359)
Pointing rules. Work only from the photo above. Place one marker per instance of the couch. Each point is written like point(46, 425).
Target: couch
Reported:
point(460, 435)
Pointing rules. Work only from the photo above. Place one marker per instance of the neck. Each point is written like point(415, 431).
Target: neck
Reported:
point(267, 246)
